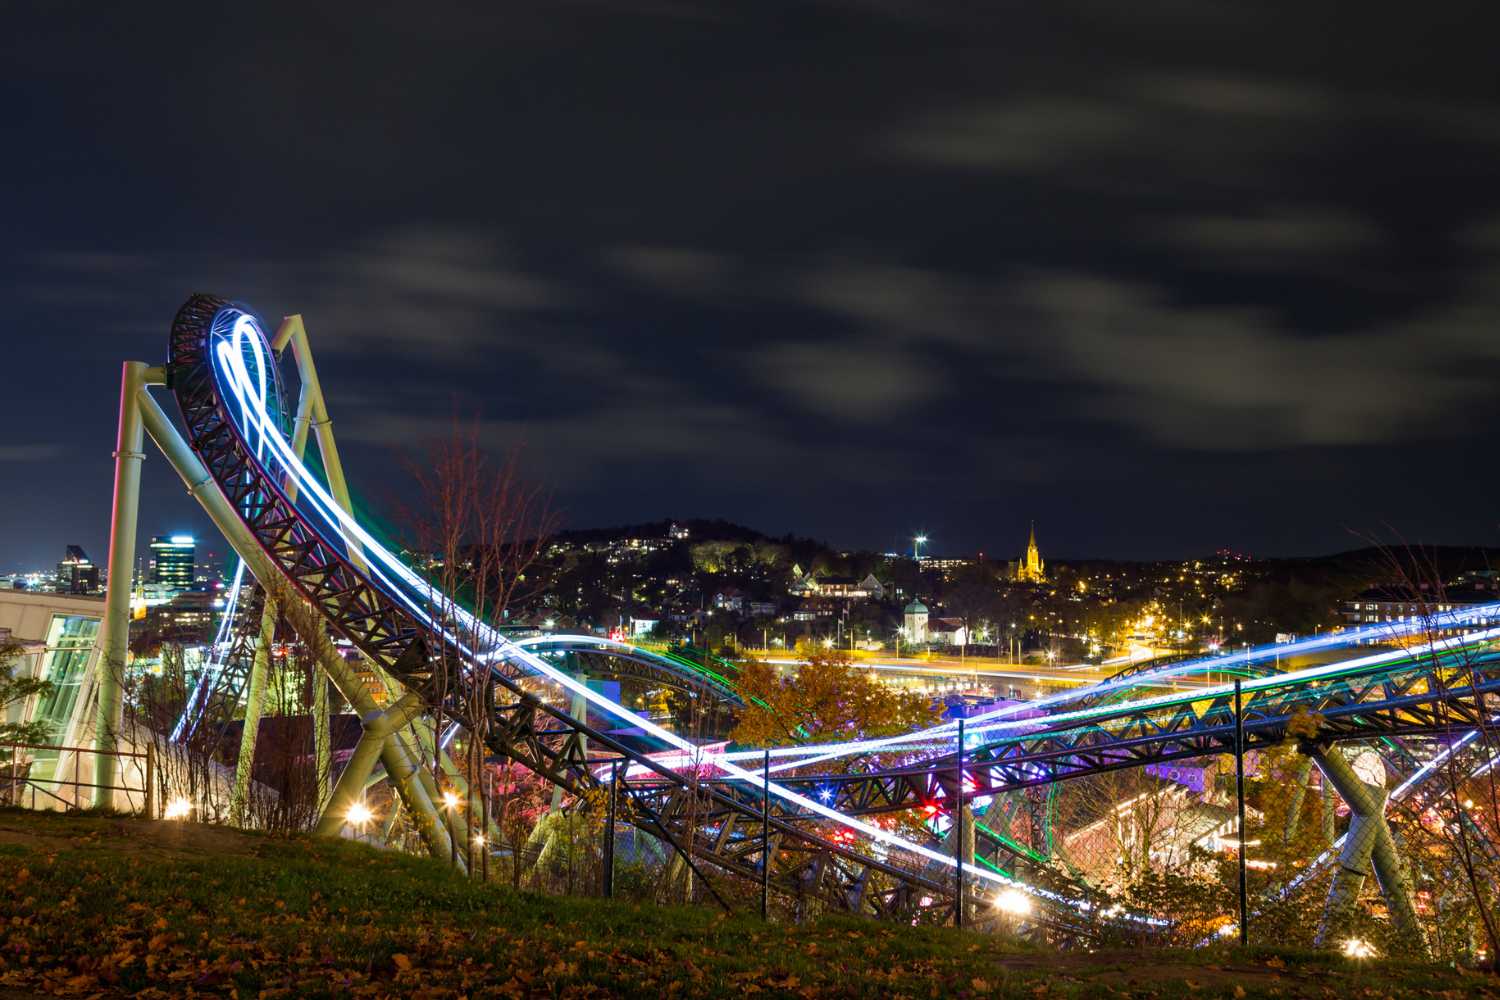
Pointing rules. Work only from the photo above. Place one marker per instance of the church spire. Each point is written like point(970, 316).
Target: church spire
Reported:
point(1031, 568)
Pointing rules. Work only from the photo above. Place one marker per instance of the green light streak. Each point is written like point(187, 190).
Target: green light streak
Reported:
point(1019, 848)
point(1313, 686)
point(993, 867)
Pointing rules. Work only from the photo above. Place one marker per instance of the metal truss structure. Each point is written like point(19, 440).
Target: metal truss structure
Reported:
point(724, 823)
point(1440, 692)
point(717, 829)
point(218, 700)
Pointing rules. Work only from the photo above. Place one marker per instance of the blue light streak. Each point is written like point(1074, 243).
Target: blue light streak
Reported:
point(488, 645)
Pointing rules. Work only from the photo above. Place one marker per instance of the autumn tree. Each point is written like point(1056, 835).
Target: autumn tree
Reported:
point(827, 698)
point(481, 528)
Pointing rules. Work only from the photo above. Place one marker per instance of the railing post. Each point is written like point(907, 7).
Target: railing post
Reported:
point(765, 835)
point(1239, 794)
point(609, 831)
point(150, 781)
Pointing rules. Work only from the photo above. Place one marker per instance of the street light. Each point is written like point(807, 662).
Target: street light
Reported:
point(916, 547)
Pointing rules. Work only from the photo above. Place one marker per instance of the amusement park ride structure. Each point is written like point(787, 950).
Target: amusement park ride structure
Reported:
point(810, 836)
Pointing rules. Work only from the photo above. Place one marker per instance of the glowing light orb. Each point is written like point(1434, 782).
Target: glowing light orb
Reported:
point(1013, 901)
point(1358, 948)
point(178, 808)
point(359, 814)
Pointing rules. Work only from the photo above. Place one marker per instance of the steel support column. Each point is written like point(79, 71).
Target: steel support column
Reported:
point(579, 710)
point(322, 740)
point(311, 408)
point(202, 487)
point(255, 697)
point(378, 727)
point(1300, 780)
point(114, 637)
point(1369, 844)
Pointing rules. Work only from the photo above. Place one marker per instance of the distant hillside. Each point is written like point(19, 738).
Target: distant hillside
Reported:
point(1371, 564)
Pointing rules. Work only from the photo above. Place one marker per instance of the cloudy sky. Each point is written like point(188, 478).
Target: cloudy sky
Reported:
point(1164, 277)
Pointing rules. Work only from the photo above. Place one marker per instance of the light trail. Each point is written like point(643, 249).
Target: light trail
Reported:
point(809, 755)
point(608, 645)
point(1294, 678)
point(947, 731)
point(955, 672)
point(218, 653)
point(1050, 722)
point(416, 595)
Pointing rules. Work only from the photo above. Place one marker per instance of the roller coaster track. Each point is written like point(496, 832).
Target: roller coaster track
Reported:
point(384, 610)
point(219, 368)
point(1442, 692)
point(621, 659)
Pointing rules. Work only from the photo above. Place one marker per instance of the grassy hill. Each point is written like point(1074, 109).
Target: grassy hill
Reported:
point(97, 906)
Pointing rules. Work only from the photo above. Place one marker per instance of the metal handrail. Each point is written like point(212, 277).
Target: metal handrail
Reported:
point(149, 804)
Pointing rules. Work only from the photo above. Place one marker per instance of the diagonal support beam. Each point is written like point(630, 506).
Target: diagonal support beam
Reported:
point(1369, 845)
point(378, 728)
point(255, 696)
point(202, 487)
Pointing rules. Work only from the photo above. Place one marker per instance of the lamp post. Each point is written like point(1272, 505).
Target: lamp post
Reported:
point(916, 548)
point(958, 831)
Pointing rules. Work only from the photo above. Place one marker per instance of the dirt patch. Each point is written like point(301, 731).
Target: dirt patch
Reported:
point(160, 838)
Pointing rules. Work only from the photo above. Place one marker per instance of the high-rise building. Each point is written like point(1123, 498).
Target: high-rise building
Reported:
point(76, 574)
point(174, 561)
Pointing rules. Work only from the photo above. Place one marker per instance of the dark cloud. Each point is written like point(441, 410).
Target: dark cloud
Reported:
point(1277, 238)
point(1166, 278)
point(680, 270)
point(30, 452)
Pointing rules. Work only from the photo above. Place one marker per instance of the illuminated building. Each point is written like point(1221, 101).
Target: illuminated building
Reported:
point(76, 574)
point(57, 633)
point(944, 565)
point(173, 562)
point(947, 631)
point(188, 619)
point(1032, 569)
point(1386, 604)
point(916, 621)
point(846, 587)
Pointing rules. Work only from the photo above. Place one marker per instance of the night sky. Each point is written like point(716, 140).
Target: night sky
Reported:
point(1164, 277)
